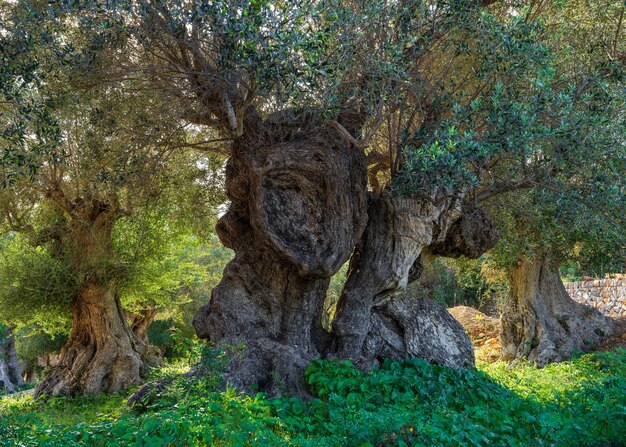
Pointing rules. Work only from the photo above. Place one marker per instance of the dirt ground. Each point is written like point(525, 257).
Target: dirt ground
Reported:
point(484, 331)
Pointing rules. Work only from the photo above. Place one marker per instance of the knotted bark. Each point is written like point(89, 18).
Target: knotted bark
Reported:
point(409, 326)
point(10, 369)
point(298, 207)
point(371, 324)
point(543, 324)
point(102, 353)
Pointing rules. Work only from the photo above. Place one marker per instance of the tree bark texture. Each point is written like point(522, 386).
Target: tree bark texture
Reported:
point(409, 326)
point(10, 369)
point(141, 321)
point(102, 353)
point(543, 324)
point(299, 206)
point(371, 324)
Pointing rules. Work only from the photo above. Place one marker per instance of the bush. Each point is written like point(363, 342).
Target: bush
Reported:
point(409, 403)
point(32, 342)
point(468, 282)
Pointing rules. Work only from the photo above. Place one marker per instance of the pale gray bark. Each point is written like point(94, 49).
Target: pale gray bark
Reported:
point(10, 368)
point(371, 323)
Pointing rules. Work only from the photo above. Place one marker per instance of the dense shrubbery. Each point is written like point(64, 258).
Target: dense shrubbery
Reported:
point(581, 403)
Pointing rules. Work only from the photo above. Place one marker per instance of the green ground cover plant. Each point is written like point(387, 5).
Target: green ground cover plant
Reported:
point(411, 403)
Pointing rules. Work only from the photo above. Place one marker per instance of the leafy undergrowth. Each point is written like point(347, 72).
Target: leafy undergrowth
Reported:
point(577, 403)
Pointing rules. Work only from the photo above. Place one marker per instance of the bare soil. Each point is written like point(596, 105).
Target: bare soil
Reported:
point(483, 331)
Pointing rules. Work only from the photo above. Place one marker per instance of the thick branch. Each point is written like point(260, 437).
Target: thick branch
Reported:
point(501, 188)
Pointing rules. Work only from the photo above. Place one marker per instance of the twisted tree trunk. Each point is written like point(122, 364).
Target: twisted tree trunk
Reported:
point(298, 207)
point(543, 324)
point(371, 324)
point(297, 210)
point(10, 369)
point(102, 353)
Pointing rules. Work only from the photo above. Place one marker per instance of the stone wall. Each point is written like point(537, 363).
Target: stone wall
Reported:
point(606, 295)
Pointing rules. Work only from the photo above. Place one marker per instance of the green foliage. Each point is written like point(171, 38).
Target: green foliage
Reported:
point(439, 281)
point(601, 257)
point(575, 160)
point(468, 282)
point(164, 273)
point(537, 134)
point(412, 403)
point(25, 118)
point(159, 261)
point(508, 114)
point(121, 152)
point(33, 342)
point(179, 282)
point(160, 335)
point(337, 281)
point(35, 288)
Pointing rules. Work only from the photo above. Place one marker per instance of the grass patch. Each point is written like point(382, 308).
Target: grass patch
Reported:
point(577, 403)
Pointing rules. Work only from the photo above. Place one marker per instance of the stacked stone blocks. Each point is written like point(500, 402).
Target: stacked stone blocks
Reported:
point(606, 295)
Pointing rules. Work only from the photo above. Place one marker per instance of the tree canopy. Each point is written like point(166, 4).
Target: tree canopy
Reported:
point(381, 133)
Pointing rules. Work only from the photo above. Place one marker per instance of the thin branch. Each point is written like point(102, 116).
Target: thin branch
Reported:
point(502, 188)
point(618, 30)
point(232, 116)
point(343, 133)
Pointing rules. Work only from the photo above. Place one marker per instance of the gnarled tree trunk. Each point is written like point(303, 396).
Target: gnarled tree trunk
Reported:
point(102, 353)
point(543, 323)
point(298, 207)
point(10, 369)
point(371, 324)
